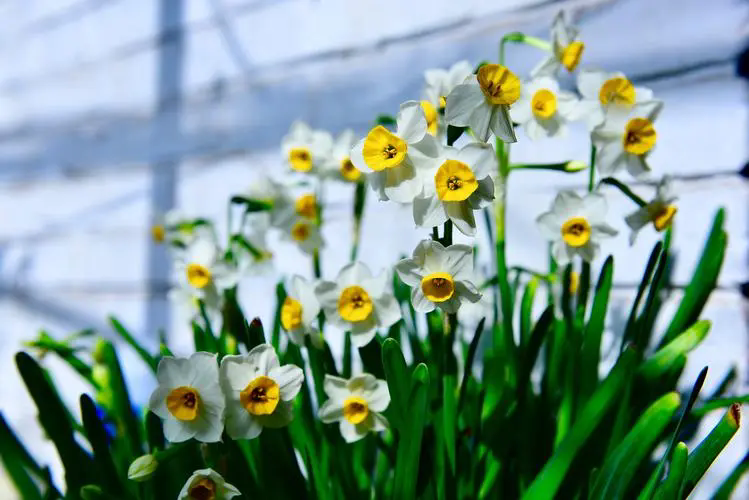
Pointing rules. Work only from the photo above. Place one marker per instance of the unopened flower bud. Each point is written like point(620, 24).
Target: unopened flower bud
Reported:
point(142, 468)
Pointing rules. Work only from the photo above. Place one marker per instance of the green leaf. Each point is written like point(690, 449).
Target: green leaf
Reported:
point(670, 487)
point(526, 308)
point(407, 459)
point(385, 120)
point(251, 205)
point(19, 465)
point(631, 326)
point(591, 349)
point(620, 466)
point(655, 366)
point(468, 368)
point(371, 357)
point(550, 478)
point(151, 361)
point(703, 280)
point(726, 488)
point(708, 450)
point(54, 419)
point(106, 472)
point(276, 332)
point(399, 385)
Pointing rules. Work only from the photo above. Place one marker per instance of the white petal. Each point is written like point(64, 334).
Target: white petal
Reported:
point(561, 252)
point(387, 309)
point(241, 424)
point(352, 433)
point(335, 387)
point(603, 230)
point(352, 274)
point(548, 66)
point(331, 411)
point(637, 166)
point(402, 183)
point(468, 290)
point(377, 396)
point(420, 302)
point(209, 427)
point(289, 379)
point(534, 130)
point(501, 124)
point(261, 360)
point(157, 401)
point(327, 294)
point(566, 204)
point(588, 251)
point(202, 251)
point(173, 372)
point(411, 122)
point(462, 102)
point(481, 119)
point(461, 214)
point(281, 416)
point(643, 94)
point(409, 272)
point(376, 286)
point(175, 431)
point(594, 207)
point(378, 422)
point(357, 157)
point(610, 157)
point(589, 82)
point(363, 336)
point(459, 260)
point(234, 374)
point(520, 110)
point(638, 219)
point(550, 225)
point(428, 211)
point(480, 157)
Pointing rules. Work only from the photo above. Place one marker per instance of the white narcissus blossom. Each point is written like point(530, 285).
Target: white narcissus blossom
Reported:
point(359, 302)
point(299, 311)
point(187, 301)
point(304, 232)
point(483, 103)
point(253, 255)
point(259, 391)
point(439, 277)
point(277, 194)
point(575, 225)
point(203, 268)
point(338, 165)
point(394, 160)
point(459, 182)
point(356, 403)
point(188, 398)
point(660, 211)
point(440, 82)
point(566, 50)
point(626, 138)
point(305, 149)
point(601, 90)
point(543, 109)
point(207, 484)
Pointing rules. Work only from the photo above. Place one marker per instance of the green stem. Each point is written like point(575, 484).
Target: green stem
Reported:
point(624, 189)
point(517, 37)
point(499, 223)
point(592, 175)
point(360, 197)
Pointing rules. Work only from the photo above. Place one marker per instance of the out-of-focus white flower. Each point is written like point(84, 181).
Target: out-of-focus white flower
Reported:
point(189, 399)
point(439, 277)
point(440, 82)
point(660, 211)
point(142, 468)
point(177, 229)
point(625, 138)
point(207, 484)
point(253, 255)
point(483, 102)
point(460, 182)
point(566, 49)
point(187, 300)
point(278, 195)
point(303, 232)
point(356, 403)
point(299, 311)
point(359, 302)
point(338, 164)
point(305, 149)
point(543, 110)
point(203, 268)
point(575, 225)
point(602, 89)
point(395, 160)
point(259, 391)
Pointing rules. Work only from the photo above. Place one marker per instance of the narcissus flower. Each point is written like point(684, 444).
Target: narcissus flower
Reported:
point(338, 165)
point(660, 211)
point(395, 159)
point(305, 149)
point(601, 90)
point(259, 391)
point(359, 302)
point(299, 311)
point(207, 484)
point(566, 49)
point(575, 225)
point(439, 277)
point(203, 268)
point(543, 110)
point(188, 398)
point(440, 82)
point(356, 403)
point(276, 194)
point(460, 183)
point(483, 102)
point(626, 138)
point(304, 232)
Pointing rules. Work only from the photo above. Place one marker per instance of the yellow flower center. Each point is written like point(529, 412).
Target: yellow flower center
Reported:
point(618, 91)
point(455, 181)
point(574, 281)
point(438, 287)
point(383, 149)
point(300, 231)
point(499, 84)
point(355, 409)
point(571, 55)
point(184, 403)
point(158, 233)
point(663, 216)
point(291, 314)
point(576, 231)
point(205, 489)
point(260, 397)
point(198, 275)
point(354, 304)
point(300, 159)
point(349, 171)
point(431, 115)
point(544, 103)
point(306, 206)
point(639, 136)
point(443, 102)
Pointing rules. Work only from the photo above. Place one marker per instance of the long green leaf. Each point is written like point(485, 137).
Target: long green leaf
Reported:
point(620, 466)
point(151, 361)
point(19, 465)
point(591, 350)
point(107, 476)
point(658, 363)
point(399, 385)
point(526, 308)
point(726, 488)
point(670, 487)
point(409, 450)
point(550, 478)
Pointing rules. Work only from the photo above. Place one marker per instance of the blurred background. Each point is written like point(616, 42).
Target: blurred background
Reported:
point(112, 112)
